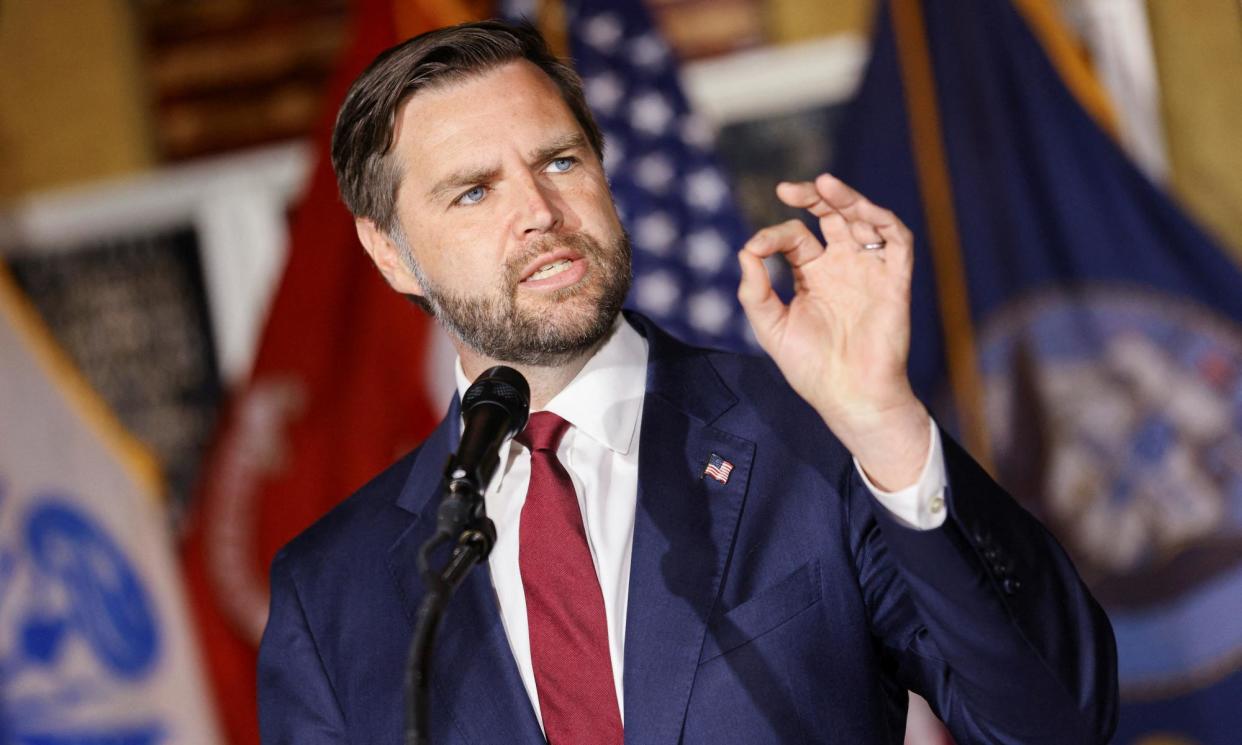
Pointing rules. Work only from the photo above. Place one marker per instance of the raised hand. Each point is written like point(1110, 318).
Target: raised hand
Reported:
point(844, 339)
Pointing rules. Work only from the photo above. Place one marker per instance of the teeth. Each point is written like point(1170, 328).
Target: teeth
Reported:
point(549, 270)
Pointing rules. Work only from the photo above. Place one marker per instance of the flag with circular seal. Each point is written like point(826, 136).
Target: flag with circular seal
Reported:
point(1083, 332)
point(95, 642)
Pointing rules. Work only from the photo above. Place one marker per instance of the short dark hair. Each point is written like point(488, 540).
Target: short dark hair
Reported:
point(363, 136)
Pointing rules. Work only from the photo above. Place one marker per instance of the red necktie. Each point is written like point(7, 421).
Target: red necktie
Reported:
point(564, 605)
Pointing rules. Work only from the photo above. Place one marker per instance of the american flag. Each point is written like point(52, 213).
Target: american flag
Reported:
point(718, 468)
point(672, 195)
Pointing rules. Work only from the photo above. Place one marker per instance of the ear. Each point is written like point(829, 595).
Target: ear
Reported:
point(387, 257)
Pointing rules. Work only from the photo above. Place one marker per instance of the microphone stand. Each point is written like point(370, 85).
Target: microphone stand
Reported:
point(461, 520)
point(494, 407)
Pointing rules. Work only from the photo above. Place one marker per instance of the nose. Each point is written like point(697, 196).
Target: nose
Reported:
point(540, 211)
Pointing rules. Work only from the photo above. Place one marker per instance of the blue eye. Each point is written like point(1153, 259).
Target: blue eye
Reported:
point(474, 196)
point(561, 165)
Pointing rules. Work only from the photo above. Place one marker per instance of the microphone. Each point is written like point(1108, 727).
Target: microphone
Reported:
point(495, 408)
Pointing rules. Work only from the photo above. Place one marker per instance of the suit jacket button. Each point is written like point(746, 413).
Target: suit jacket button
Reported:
point(982, 536)
point(1011, 585)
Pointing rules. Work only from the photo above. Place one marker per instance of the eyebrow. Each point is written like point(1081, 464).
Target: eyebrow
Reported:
point(462, 179)
point(483, 174)
point(571, 141)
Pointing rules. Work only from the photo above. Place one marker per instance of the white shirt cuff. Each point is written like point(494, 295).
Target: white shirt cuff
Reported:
point(919, 506)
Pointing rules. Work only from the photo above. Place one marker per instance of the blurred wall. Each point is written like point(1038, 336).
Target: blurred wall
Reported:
point(797, 20)
point(1198, 47)
point(72, 96)
point(76, 97)
point(76, 100)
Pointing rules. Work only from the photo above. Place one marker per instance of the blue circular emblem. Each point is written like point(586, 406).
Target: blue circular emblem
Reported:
point(107, 605)
point(1116, 417)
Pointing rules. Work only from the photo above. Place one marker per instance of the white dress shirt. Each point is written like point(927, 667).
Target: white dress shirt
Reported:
point(604, 403)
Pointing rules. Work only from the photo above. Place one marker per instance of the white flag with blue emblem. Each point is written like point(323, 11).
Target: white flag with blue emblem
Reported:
point(95, 643)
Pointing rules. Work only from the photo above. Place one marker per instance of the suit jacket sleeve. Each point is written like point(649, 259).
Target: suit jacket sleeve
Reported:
point(986, 616)
point(296, 701)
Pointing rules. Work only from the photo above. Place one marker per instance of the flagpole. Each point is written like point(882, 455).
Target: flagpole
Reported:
point(935, 186)
point(1050, 32)
point(138, 460)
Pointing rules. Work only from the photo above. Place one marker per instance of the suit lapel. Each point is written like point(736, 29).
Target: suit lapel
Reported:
point(684, 528)
point(475, 680)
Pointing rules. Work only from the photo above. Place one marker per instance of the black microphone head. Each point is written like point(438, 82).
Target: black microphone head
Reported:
point(504, 387)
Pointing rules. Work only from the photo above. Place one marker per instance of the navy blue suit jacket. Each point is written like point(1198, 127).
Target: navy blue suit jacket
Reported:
point(784, 606)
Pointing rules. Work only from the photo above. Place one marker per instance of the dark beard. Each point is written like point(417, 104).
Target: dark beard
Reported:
point(494, 325)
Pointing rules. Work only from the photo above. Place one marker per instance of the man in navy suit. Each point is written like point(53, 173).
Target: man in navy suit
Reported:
point(703, 547)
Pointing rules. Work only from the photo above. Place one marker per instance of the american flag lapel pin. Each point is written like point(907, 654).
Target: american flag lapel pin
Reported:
point(718, 468)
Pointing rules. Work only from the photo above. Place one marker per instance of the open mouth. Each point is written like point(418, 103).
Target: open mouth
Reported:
point(550, 270)
point(561, 268)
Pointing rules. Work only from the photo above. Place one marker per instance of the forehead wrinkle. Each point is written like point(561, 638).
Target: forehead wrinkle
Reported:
point(570, 134)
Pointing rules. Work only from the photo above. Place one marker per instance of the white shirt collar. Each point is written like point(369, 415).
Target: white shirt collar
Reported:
point(605, 399)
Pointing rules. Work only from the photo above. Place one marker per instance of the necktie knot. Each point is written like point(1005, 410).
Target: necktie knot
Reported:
point(543, 431)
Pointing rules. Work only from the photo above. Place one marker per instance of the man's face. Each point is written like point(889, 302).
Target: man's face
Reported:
point(507, 216)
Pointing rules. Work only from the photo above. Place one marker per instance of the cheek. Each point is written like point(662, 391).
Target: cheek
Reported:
point(589, 205)
point(602, 197)
point(462, 254)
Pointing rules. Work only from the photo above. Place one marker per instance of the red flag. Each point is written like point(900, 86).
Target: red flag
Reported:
point(336, 393)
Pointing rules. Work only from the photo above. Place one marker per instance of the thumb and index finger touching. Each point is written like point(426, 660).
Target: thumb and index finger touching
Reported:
point(794, 241)
point(838, 206)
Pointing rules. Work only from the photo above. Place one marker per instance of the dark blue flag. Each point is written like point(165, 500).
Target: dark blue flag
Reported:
point(1081, 332)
